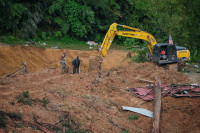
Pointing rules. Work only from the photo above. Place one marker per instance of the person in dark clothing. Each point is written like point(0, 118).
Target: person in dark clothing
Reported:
point(76, 65)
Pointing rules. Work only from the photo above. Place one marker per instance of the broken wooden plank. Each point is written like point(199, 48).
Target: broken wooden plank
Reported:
point(157, 107)
point(41, 127)
point(146, 81)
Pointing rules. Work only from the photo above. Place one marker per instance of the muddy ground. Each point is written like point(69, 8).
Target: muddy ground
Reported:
point(78, 103)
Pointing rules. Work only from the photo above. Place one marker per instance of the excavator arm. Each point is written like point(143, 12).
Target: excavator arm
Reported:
point(132, 32)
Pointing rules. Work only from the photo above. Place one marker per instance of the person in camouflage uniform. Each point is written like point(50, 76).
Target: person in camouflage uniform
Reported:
point(63, 64)
point(24, 69)
point(64, 55)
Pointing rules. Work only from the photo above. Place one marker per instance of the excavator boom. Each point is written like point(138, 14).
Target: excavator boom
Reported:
point(132, 32)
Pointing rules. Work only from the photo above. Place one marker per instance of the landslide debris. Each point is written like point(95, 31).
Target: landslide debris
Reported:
point(80, 103)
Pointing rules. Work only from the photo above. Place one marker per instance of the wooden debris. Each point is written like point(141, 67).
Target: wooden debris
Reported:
point(157, 107)
point(146, 81)
point(42, 128)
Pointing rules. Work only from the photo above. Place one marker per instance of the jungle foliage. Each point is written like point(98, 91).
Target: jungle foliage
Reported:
point(90, 19)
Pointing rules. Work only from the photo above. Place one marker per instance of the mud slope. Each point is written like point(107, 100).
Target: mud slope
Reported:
point(59, 102)
point(95, 106)
point(12, 58)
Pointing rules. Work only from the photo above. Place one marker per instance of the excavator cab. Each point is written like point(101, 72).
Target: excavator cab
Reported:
point(164, 53)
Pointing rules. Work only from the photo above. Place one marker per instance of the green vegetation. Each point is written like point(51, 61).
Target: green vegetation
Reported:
point(70, 23)
point(136, 46)
point(3, 119)
point(65, 42)
point(141, 55)
point(72, 127)
point(26, 94)
point(15, 116)
point(45, 101)
point(133, 117)
point(125, 131)
point(11, 40)
point(24, 98)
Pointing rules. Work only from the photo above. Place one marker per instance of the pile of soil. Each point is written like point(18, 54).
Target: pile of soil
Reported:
point(93, 106)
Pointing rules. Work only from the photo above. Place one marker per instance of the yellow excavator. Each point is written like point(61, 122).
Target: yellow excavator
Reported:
point(171, 53)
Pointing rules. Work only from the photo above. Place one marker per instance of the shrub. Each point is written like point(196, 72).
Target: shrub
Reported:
point(58, 34)
point(137, 46)
point(141, 55)
point(26, 94)
point(15, 116)
point(44, 35)
point(133, 117)
point(3, 120)
point(45, 101)
point(125, 131)
point(24, 98)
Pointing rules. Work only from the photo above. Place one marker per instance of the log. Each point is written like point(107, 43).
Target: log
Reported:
point(157, 107)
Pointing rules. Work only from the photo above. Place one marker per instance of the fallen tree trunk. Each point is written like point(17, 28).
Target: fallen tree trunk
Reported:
point(157, 107)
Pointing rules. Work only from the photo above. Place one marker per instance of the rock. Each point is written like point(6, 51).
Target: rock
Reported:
point(99, 80)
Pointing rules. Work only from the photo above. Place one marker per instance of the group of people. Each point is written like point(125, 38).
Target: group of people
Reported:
point(65, 68)
point(75, 63)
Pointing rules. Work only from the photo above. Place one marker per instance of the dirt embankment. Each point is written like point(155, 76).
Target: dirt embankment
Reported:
point(91, 105)
point(12, 58)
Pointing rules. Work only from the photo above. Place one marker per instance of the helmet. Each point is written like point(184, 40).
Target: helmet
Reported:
point(24, 63)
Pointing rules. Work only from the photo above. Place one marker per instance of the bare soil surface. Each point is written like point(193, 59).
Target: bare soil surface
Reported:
point(78, 101)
